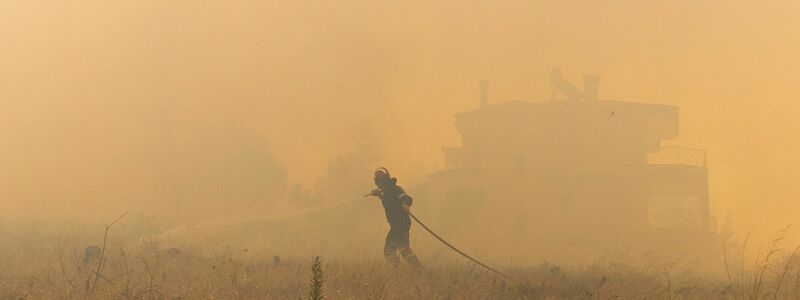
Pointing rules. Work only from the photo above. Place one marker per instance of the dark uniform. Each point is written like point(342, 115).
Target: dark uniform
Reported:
point(394, 198)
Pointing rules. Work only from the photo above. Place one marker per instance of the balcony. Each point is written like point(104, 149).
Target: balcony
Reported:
point(675, 155)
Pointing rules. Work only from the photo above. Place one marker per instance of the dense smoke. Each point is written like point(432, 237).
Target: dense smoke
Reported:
point(198, 111)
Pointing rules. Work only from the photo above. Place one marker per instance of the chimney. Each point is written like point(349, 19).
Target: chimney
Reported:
point(484, 92)
point(590, 87)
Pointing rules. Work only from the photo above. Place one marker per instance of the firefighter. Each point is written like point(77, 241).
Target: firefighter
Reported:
point(396, 203)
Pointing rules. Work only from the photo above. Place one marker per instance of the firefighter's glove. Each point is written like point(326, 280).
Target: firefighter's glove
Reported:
point(375, 192)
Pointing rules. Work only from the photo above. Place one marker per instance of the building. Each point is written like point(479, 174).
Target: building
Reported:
point(576, 173)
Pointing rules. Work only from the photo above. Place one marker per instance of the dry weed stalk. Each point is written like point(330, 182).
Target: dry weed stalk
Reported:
point(63, 268)
point(761, 267)
point(127, 291)
point(317, 286)
point(741, 267)
point(785, 270)
point(91, 282)
point(725, 260)
point(797, 283)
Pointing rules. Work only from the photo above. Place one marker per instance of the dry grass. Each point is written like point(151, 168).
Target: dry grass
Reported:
point(46, 262)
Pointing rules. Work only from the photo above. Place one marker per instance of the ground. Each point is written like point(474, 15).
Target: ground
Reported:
point(49, 261)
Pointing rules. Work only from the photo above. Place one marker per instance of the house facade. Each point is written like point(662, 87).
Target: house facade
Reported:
point(573, 176)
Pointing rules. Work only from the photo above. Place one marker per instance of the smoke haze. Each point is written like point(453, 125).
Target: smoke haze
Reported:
point(117, 106)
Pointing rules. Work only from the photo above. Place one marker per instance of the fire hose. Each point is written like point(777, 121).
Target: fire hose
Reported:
point(454, 248)
point(448, 244)
point(327, 206)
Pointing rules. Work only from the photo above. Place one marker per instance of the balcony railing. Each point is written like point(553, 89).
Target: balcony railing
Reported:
point(675, 155)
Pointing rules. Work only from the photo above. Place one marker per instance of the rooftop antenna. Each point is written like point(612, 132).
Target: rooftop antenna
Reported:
point(564, 86)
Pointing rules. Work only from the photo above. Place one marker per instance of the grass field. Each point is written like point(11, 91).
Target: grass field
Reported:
point(49, 261)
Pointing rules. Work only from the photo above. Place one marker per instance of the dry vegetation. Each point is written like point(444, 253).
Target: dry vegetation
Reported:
point(48, 261)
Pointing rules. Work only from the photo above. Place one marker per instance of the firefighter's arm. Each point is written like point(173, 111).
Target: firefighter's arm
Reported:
point(405, 199)
point(376, 193)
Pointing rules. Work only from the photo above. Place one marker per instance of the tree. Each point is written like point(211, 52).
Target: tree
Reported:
point(347, 175)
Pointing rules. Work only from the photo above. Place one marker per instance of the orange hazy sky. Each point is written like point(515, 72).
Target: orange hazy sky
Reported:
point(82, 81)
